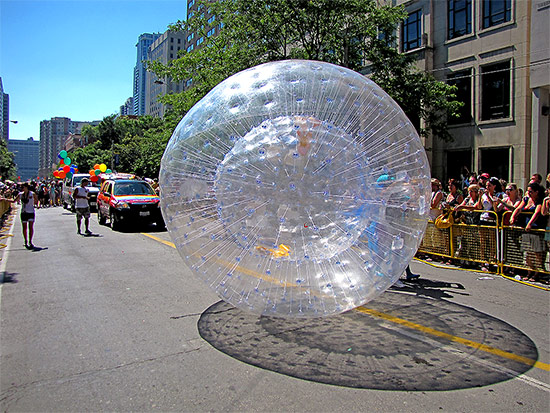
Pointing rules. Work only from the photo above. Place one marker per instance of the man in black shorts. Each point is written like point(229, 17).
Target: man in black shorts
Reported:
point(80, 196)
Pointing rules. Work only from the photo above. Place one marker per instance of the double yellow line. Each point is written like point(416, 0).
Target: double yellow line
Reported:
point(409, 324)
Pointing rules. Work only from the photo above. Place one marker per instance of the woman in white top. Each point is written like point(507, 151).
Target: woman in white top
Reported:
point(28, 200)
point(489, 202)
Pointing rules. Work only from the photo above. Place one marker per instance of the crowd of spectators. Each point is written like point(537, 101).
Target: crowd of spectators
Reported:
point(484, 200)
point(48, 191)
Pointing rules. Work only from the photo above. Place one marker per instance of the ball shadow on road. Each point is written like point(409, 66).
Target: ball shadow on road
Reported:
point(392, 343)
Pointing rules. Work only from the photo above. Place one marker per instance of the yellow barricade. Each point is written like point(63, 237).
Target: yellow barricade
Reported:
point(492, 241)
point(524, 249)
point(4, 207)
point(463, 240)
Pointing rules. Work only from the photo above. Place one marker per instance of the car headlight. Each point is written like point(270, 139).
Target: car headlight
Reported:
point(122, 205)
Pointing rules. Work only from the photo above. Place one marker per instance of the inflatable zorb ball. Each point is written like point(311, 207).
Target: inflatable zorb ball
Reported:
point(296, 189)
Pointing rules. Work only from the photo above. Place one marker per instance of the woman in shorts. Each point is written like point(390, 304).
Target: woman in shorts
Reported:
point(28, 200)
point(532, 243)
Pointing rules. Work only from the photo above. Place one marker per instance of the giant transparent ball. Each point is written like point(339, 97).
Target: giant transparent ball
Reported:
point(296, 189)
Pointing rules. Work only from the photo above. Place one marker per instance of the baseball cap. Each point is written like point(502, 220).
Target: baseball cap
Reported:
point(485, 175)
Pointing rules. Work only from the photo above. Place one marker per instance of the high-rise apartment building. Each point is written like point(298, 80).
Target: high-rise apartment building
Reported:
point(128, 107)
point(140, 72)
point(164, 49)
point(497, 53)
point(53, 134)
point(26, 156)
point(4, 113)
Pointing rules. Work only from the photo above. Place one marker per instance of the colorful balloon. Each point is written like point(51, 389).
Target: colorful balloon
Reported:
point(102, 167)
point(67, 161)
point(63, 154)
point(94, 178)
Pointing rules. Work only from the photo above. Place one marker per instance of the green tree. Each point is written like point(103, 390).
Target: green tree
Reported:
point(7, 165)
point(139, 144)
point(358, 34)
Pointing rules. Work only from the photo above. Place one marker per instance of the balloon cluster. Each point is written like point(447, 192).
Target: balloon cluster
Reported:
point(98, 169)
point(65, 169)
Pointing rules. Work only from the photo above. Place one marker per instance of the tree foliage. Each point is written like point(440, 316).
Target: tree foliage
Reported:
point(7, 165)
point(357, 34)
point(137, 144)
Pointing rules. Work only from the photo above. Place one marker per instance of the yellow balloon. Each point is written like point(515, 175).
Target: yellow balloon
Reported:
point(102, 167)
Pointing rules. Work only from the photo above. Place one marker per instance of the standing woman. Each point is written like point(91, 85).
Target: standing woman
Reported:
point(532, 243)
point(28, 200)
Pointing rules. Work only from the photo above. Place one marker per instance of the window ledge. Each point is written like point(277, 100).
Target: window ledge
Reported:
point(418, 49)
point(460, 125)
point(494, 121)
point(462, 38)
point(496, 27)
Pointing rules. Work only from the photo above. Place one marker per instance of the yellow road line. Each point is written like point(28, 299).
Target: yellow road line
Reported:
point(450, 337)
point(397, 320)
point(231, 266)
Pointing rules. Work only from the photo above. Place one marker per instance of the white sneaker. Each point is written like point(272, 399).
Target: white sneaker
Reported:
point(399, 284)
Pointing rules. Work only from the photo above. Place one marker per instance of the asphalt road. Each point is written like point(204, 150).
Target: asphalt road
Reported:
point(116, 322)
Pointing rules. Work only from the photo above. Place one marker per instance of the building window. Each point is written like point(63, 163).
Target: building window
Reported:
point(210, 32)
point(495, 91)
point(179, 41)
point(190, 4)
point(200, 41)
point(460, 18)
point(190, 37)
point(496, 12)
point(211, 19)
point(412, 31)
point(190, 48)
point(463, 81)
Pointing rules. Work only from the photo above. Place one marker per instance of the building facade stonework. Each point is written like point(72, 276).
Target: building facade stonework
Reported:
point(497, 54)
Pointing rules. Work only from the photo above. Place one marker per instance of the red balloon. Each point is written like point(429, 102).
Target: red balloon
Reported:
point(62, 174)
point(55, 174)
point(94, 178)
point(66, 168)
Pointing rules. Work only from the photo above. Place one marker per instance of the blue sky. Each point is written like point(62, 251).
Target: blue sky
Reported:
point(73, 58)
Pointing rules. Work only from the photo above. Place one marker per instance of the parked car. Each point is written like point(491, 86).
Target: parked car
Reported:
point(68, 188)
point(128, 201)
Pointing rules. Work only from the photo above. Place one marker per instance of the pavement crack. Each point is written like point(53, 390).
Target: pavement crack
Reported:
point(12, 394)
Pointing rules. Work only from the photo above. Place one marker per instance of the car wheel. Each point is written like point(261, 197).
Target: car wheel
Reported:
point(115, 222)
point(100, 218)
point(160, 224)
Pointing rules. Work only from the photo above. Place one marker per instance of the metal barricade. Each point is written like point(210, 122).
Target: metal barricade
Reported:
point(526, 250)
point(478, 243)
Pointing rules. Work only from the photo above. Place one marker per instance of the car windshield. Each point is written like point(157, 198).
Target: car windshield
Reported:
point(79, 179)
point(133, 188)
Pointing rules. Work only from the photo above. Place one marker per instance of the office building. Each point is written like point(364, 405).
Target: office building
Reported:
point(4, 113)
point(497, 53)
point(128, 107)
point(140, 72)
point(53, 134)
point(164, 49)
point(26, 156)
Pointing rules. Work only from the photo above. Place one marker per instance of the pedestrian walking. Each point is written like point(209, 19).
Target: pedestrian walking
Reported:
point(81, 195)
point(29, 200)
